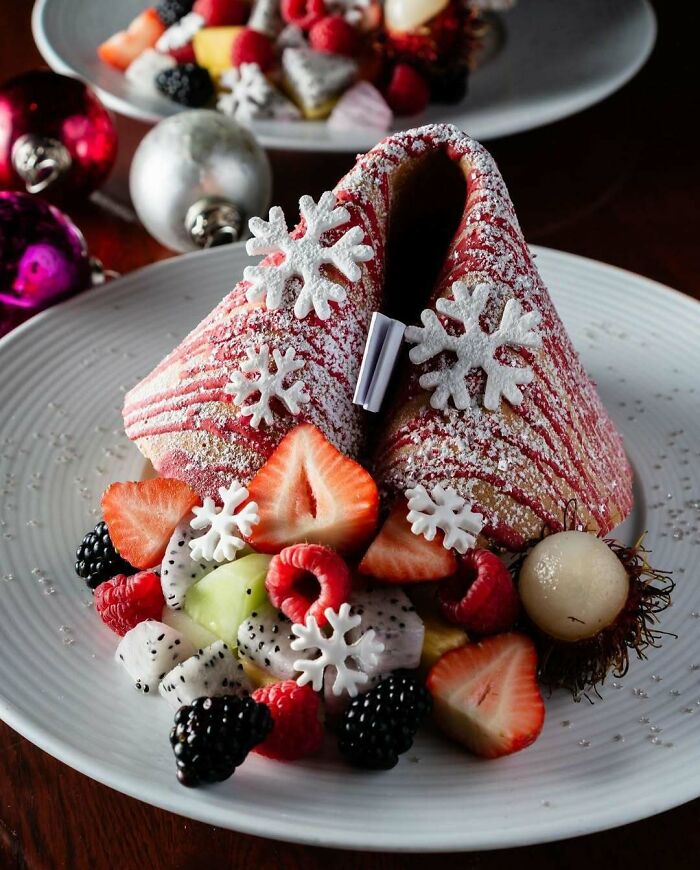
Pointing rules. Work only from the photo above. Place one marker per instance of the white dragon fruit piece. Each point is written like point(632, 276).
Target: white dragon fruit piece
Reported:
point(179, 570)
point(265, 639)
point(389, 611)
point(210, 672)
point(149, 650)
point(336, 705)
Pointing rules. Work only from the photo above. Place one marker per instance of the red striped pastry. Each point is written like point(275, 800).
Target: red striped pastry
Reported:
point(435, 211)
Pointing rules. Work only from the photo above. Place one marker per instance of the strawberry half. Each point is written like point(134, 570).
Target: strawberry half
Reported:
point(486, 695)
point(307, 491)
point(141, 517)
point(126, 45)
point(481, 596)
point(396, 554)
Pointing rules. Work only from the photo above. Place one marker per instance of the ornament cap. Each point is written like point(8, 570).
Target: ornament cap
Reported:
point(40, 161)
point(213, 221)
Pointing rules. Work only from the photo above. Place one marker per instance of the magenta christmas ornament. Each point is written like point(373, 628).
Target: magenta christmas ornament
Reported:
point(43, 256)
point(56, 137)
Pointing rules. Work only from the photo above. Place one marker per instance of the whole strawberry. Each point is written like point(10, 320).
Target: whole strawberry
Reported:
point(297, 730)
point(481, 596)
point(123, 602)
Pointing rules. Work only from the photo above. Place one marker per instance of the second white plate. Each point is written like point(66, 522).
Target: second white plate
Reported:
point(555, 58)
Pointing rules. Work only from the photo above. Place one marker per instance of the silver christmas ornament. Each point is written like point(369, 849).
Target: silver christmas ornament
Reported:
point(197, 178)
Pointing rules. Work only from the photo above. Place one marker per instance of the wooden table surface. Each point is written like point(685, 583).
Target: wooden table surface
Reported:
point(619, 183)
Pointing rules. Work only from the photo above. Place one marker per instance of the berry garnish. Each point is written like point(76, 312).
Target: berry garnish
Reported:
point(141, 517)
point(334, 35)
point(303, 13)
point(121, 49)
point(407, 92)
point(449, 84)
point(308, 491)
point(481, 596)
point(123, 602)
point(187, 84)
point(380, 725)
point(305, 579)
point(486, 696)
point(222, 13)
point(97, 559)
point(295, 710)
point(213, 736)
point(184, 54)
point(170, 11)
point(397, 554)
point(251, 46)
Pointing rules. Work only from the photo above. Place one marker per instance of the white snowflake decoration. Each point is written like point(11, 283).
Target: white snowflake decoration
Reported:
point(268, 384)
point(474, 348)
point(249, 92)
point(304, 257)
point(181, 33)
point(335, 651)
point(220, 543)
point(443, 509)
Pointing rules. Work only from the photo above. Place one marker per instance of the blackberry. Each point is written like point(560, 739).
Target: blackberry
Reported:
point(448, 84)
point(212, 736)
point(380, 725)
point(97, 560)
point(186, 83)
point(171, 11)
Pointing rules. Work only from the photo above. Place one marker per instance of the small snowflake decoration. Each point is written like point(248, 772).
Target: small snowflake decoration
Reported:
point(304, 257)
point(443, 509)
point(268, 384)
point(474, 348)
point(249, 92)
point(335, 651)
point(220, 543)
point(353, 11)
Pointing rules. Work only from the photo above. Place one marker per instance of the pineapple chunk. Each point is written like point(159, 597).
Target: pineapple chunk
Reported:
point(257, 675)
point(440, 638)
point(212, 48)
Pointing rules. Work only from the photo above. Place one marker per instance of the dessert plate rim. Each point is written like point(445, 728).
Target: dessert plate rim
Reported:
point(211, 805)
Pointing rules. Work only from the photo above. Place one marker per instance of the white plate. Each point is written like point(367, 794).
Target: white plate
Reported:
point(555, 58)
point(61, 442)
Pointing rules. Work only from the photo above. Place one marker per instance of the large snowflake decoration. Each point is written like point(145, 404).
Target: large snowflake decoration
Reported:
point(248, 94)
point(221, 543)
point(305, 257)
point(473, 348)
point(443, 509)
point(268, 384)
point(335, 651)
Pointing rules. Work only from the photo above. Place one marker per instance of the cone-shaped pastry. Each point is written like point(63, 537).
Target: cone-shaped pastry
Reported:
point(284, 347)
point(493, 401)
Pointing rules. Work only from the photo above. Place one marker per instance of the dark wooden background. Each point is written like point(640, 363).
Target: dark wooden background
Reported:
point(620, 183)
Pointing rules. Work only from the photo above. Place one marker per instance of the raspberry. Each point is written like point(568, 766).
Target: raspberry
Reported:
point(305, 579)
point(481, 596)
point(333, 35)
point(123, 602)
point(407, 93)
point(303, 13)
point(184, 54)
point(222, 13)
point(297, 730)
point(250, 46)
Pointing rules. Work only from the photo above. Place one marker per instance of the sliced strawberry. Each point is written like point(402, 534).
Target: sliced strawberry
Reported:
point(486, 695)
point(396, 554)
point(481, 596)
point(141, 517)
point(307, 491)
point(126, 45)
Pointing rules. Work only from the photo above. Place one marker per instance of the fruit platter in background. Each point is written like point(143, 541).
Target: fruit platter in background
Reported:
point(354, 62)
